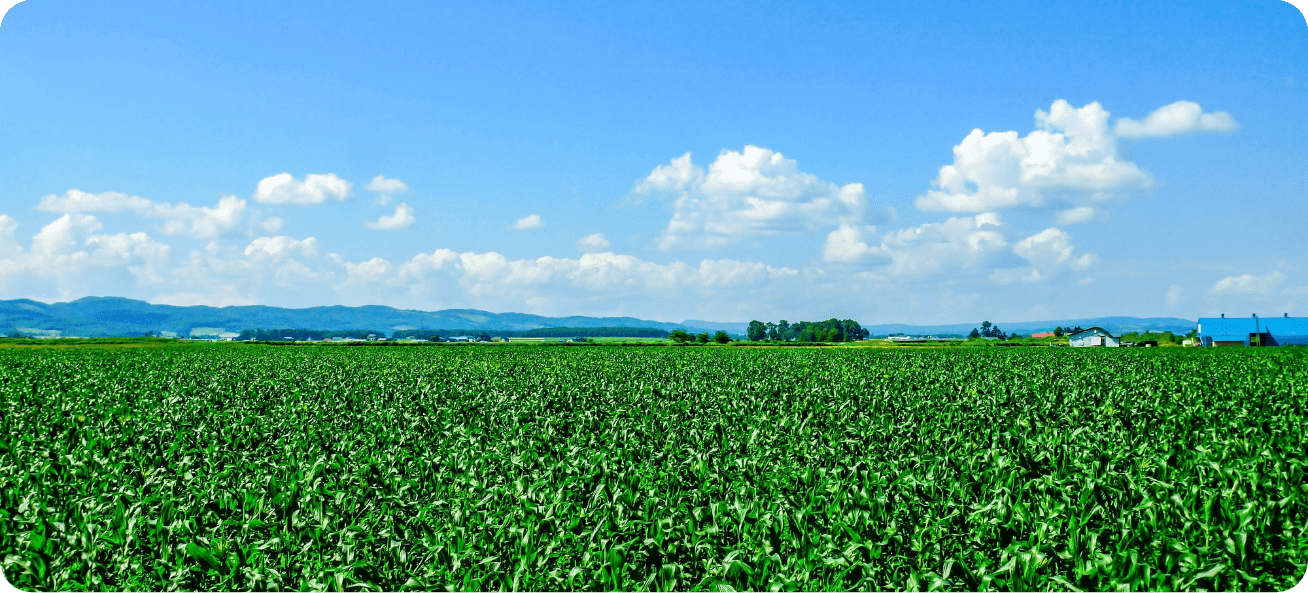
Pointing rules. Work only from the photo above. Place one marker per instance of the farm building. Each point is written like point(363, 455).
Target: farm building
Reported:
point(1093, 336)
point(1253, 331)
point(1043, 335)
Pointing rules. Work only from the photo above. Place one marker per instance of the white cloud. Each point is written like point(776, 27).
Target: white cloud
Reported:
point(66, 257)
point(8, 245)
point(385, 185)
point(402, 219)
point(75, 200)
point(529, 222)
point(201, 222)
point(1078, 215)
point(1174, 296)
point(752, 192)
point(846, 244)
point(386, 188)
point(491, 275)
point(675, 176)
point(64, 234)
point(315, 189)
point(1073, 152)
point(1248, 284)
point(591, 243)
point(1048, 252)
point(281, 246)
point(1181, 117)
point(959, 242)
point(140, 255)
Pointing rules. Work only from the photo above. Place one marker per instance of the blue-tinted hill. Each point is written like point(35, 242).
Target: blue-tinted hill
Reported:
point(112, 316)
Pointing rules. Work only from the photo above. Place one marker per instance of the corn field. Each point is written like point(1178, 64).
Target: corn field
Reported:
point(239, 467)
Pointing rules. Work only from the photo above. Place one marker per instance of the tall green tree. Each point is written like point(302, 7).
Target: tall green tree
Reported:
point(755, 332)
point(722, 338)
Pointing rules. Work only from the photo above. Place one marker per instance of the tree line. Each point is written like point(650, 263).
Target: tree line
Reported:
point(831, 330)
point(682, 336)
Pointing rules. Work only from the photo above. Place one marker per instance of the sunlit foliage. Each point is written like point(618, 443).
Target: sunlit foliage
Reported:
point(254, 467)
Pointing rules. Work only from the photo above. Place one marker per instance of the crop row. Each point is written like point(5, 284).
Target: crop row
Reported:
point(249, 467)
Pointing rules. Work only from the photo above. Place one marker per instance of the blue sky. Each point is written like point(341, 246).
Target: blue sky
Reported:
point(922, 164)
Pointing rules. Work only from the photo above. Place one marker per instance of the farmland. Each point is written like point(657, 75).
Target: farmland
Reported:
point(218, 467)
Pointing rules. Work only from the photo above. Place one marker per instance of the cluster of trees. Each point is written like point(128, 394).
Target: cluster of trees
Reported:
point(682, 336)
point(989, 330)
point(1161, 338)
point(831, 330)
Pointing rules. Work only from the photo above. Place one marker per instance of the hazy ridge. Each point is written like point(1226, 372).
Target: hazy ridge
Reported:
point(113, 316)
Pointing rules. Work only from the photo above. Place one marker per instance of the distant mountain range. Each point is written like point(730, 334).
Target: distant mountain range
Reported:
point(112, 316)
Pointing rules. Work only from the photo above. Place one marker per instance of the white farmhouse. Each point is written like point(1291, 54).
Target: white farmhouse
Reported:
point(1094, 336)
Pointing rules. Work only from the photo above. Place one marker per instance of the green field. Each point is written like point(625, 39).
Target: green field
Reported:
point(231, 466)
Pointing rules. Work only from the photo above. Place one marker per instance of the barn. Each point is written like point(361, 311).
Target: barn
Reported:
point(1093, 336)
point(1253, 331)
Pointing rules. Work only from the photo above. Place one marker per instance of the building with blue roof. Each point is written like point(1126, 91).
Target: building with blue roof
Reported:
point(1253, 331)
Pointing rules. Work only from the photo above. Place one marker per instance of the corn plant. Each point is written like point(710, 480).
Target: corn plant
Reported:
point(236, 467)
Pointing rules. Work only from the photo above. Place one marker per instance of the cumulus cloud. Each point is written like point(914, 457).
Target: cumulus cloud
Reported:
point(385, 188)
point(64, 234)
point(965, 242)
point(202, 222)
point(1048, 252)
point(385, 185)
point(8, 244)
point(314, 189)
point(402, 219)
point(529, 222)
point(1181, 117)
point(67, 257)
point(957, 243)
point(752, 192)
point(674, 176)
point(1072, 155)
point(846, 244)
point(1248, 284)
point(592, 243)
point(1072, 151)
point(281, 246)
